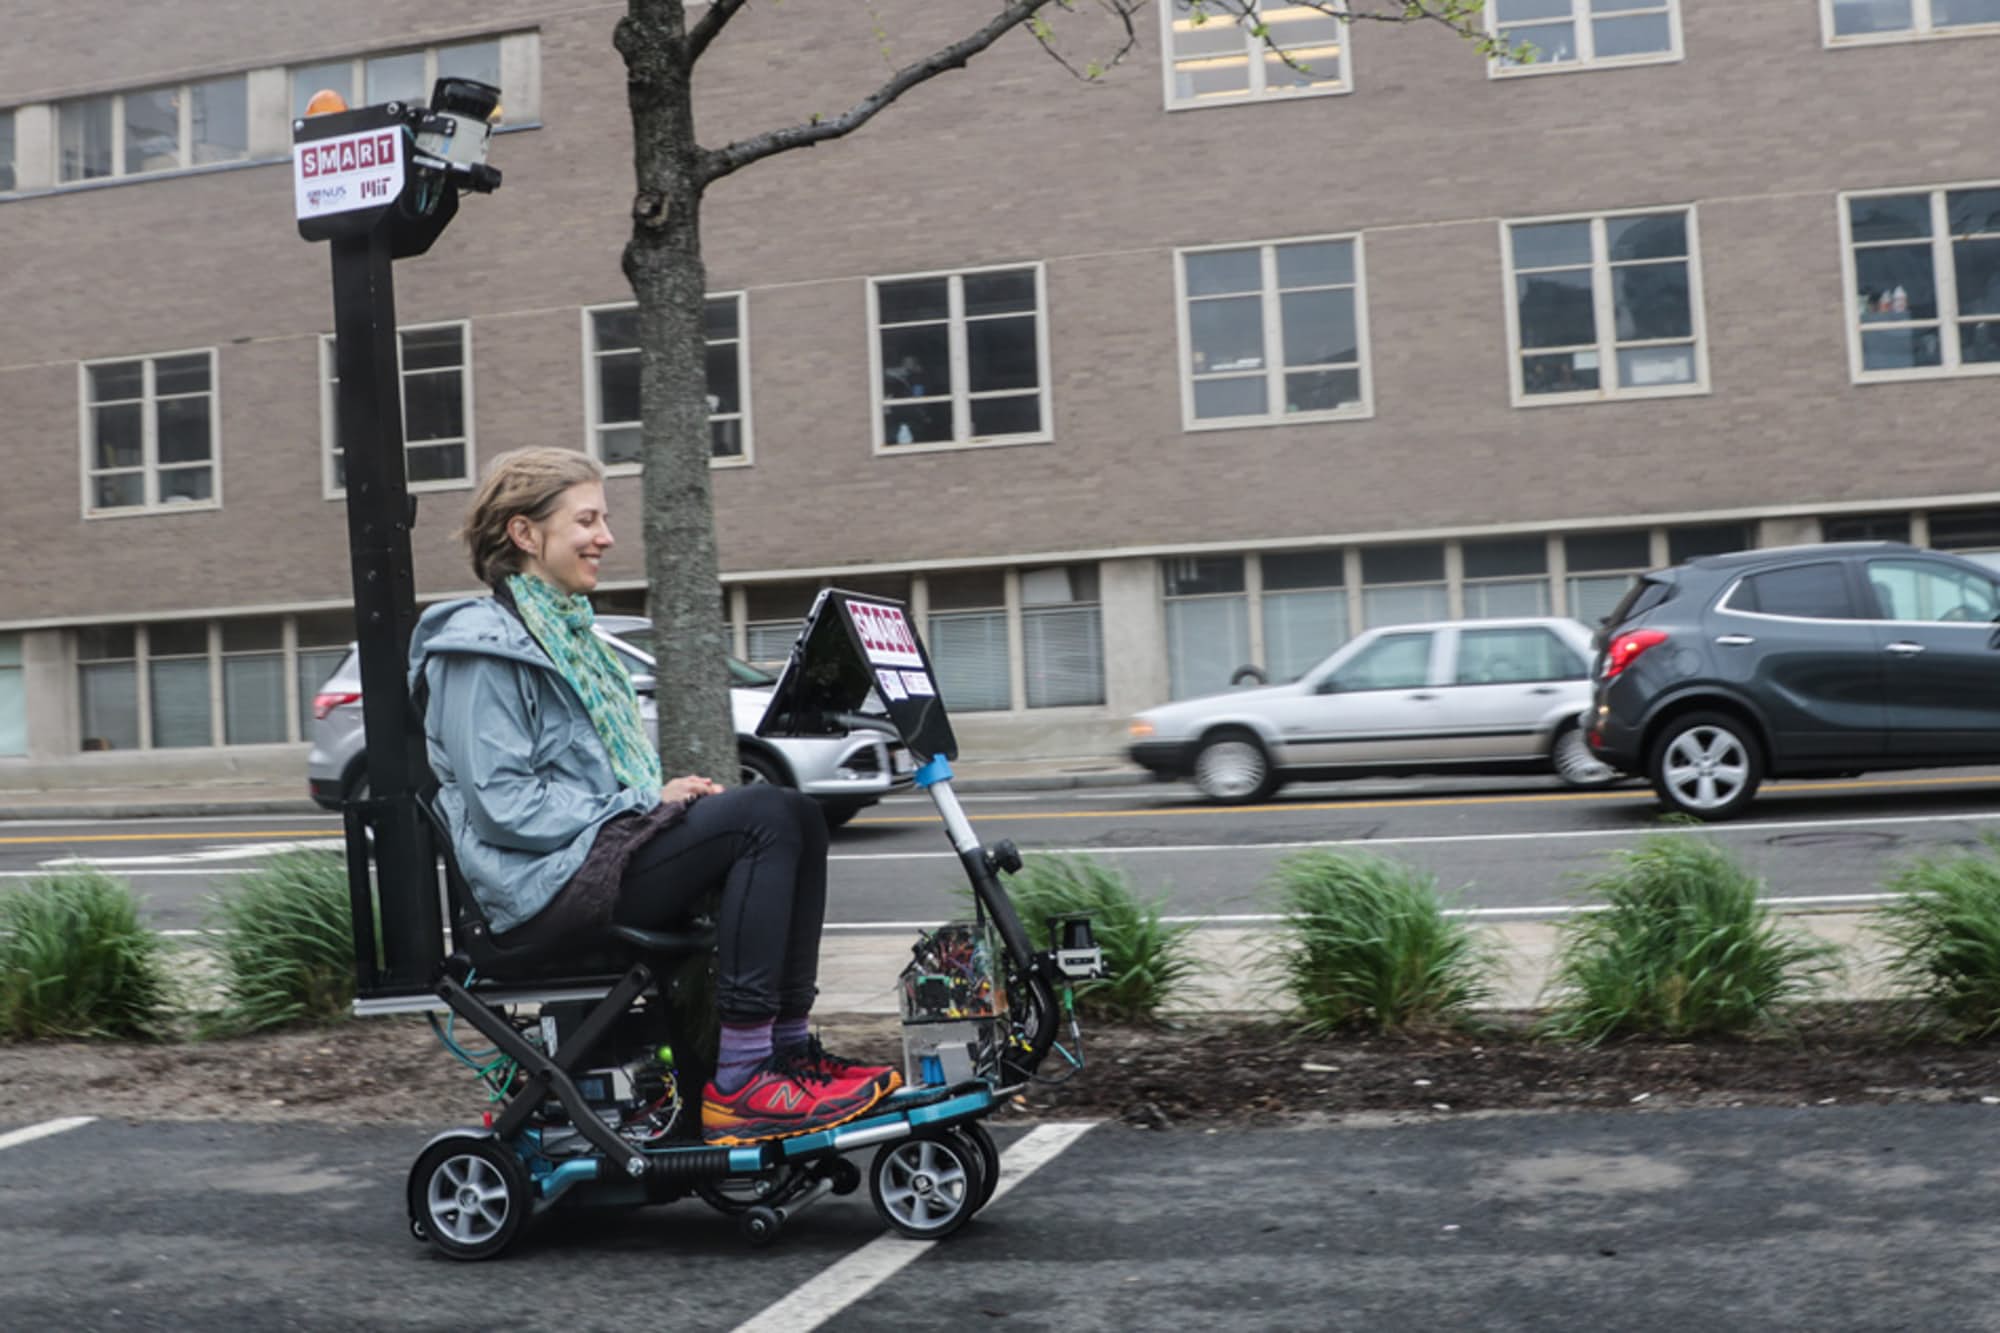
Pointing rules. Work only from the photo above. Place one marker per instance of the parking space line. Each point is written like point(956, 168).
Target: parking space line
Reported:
point(834, 1289)
point(15, 1138)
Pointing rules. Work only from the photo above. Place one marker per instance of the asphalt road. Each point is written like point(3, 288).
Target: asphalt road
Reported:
point(1515, 846)
point(1824, 1218)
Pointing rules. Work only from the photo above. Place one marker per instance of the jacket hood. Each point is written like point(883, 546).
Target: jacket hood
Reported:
point(473, 625)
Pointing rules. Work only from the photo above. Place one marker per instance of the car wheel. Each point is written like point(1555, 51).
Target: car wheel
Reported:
point(1575, 764)
point(1706, 765)
point(838, 814)
point(753, 768)
point(1232, 768)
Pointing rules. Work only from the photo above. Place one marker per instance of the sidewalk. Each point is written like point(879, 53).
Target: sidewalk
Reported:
point(185, 801)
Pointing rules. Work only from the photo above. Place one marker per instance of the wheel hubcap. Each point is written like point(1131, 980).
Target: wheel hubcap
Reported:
point(1230, 768)
point(468, 1199)
point(924, 1185)
point(1706, 767)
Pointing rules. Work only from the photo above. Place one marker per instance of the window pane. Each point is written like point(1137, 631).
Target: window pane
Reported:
point(1895, 283)
point(1402, 564)
point(1242, 397)
point(428, 349)
point(618, 387)
point(1565, 372)
point(1872, 527)
point(1392, 662)
point(1658, 236)
point(1979, 343)
point(183, 429)
point(180, 704)
point(1507, 597)
point(470, 60)
point(1322, 390)
point(1322, 264)
point(1890, 217)
point(969, 656)
point(1551, 244)
point(6, 150)
point(1899, 349)
point(1215, 77)
point(1196, 575)
point(1816, 592)
point(919, 298)
point(916, 361)
point(1860, 16)
point(13, 711)
point(718, 319)
point(118, 380)
point(1706, 539)
point(121, 491)
point(1000, 354)
point(1213, 272)
point(1644, 367)
point(1514, 11)
point(397, 78)
point(83, 133)
point(1019, 414)
point(433, 406)
point(1514, 657)
point(1592, 599)
point(1064, 652)
point(219, 120)
point(724, 394)
point(1304, 569)
point(1632, 35)
point(1954, 13)
point(187, 485)
point(1226, 334)
point(617, 330)
point(152, 130)
point(1977, 267)
point(253, 695)
point(1401, 606)
point(621, 444)
point(999, 293)
point(181, 374)
point(119, 433)
point(917, 423)
point(1207, 640)
point(335, 76)
point(108, 695)
point(1301, 629)
point(1318, 327)
point(442, 462)
point(1555, 309)
point(725, 437)
point(245, 636)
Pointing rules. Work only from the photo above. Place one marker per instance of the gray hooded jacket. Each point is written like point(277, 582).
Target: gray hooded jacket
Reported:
point(524, 780)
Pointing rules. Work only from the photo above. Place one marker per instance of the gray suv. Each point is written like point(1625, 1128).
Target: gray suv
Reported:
point(845, 774)
point(1797, 661)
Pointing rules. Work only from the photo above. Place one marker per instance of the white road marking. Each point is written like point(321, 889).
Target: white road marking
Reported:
point(16, 1138)
point(834, 1289)
point(142, 873)
point(248, 851)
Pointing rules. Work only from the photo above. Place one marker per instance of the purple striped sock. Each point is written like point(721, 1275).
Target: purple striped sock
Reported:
point(744, 1046)
point(789, 1032)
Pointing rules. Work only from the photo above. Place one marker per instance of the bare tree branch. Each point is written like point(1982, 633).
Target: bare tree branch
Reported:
point(719, 162)
point(710, 25)
point(1121, 10)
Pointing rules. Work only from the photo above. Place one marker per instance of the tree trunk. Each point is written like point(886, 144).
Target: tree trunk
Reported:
point(663, 263)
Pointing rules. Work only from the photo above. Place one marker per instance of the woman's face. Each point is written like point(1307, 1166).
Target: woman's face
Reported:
point(564, 549)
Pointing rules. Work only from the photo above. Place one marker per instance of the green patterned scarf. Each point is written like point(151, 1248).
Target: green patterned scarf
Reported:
point(561, 624)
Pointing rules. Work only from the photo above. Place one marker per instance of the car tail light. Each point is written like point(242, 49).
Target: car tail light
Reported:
point(1625, 649)
point(326, 703)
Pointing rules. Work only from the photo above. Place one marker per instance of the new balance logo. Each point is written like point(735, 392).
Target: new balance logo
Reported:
point(787, 1097)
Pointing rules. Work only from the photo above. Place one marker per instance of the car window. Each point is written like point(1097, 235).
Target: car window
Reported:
point(1510, 656)
point(1926, 590)
point(1816, 592)
point(641, 637)
point(1392, 662)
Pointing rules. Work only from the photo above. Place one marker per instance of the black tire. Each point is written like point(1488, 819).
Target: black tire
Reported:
point(760, 1225)
point(989, 1159)
point(845, 1175)
point(1573, 762)
point(1232, 768)
point(753, 768)
point(1254, 674)
point(1707, 765)
point(929, 1186)
point(469, 1196)
point(838, 813)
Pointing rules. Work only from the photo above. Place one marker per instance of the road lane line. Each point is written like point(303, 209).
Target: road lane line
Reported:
point(16, 1138)
point(832, 1290)
point(215, 835)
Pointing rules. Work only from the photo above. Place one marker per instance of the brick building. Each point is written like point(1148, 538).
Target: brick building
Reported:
point(1122, 385)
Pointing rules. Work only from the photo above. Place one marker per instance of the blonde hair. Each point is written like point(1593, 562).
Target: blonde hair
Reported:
point(527, 482)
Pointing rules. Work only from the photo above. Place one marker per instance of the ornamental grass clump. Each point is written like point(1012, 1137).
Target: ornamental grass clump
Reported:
point(1943, 935)
point(1147, 961)
point(284, 941)
point(1683, 947)
point(76, 962)
point(1367, 943)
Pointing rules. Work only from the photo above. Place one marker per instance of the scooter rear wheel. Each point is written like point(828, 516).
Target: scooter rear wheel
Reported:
point(928, 1187)
point(469, 1196)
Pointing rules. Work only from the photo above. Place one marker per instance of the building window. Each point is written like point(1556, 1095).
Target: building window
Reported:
point(1684, 544)
point(1303, 609)
point(1273, 333)
point(1402, 584)
point(149, 433)
point(1275, 49)
point(774, 614)
point(1602, 567)
point(177, 685)
point(1972, 533)
point(1865, 528)
point(960, 358)
point(253, 682)
point(1605, 307)
point(436, 371)
point(107, 686)
point(397, 75)
point(1506, 576)
point(1924, 270)
point(6, 151)
point(1864, 20)
point(967, 633)
point(13, 698)
point(611, 389)
point(152, 130)
point(1208, 623)
point(1582, 34)
point(1062, 636)
point(323, 641)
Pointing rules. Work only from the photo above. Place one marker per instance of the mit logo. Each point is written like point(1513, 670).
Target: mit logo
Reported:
point(359, 152)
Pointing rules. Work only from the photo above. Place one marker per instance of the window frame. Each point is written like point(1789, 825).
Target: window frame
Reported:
point(958, 359)
point(1258, 92)
point(592, 390)
point(1272, 312)
point(1923, 28)
point(328, 400)
point(149, 437)
point(357, 69)
point(183, 132)
point(1944, 275)
point(1604, 311)
point(1580, 17)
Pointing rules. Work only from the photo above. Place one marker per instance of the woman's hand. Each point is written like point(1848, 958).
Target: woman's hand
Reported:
point(687, 788)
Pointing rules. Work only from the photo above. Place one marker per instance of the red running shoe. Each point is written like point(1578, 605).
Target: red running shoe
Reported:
point(783, 1098)
point(824, 1064)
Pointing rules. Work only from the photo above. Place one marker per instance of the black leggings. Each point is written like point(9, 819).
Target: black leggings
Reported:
point(765, 847)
